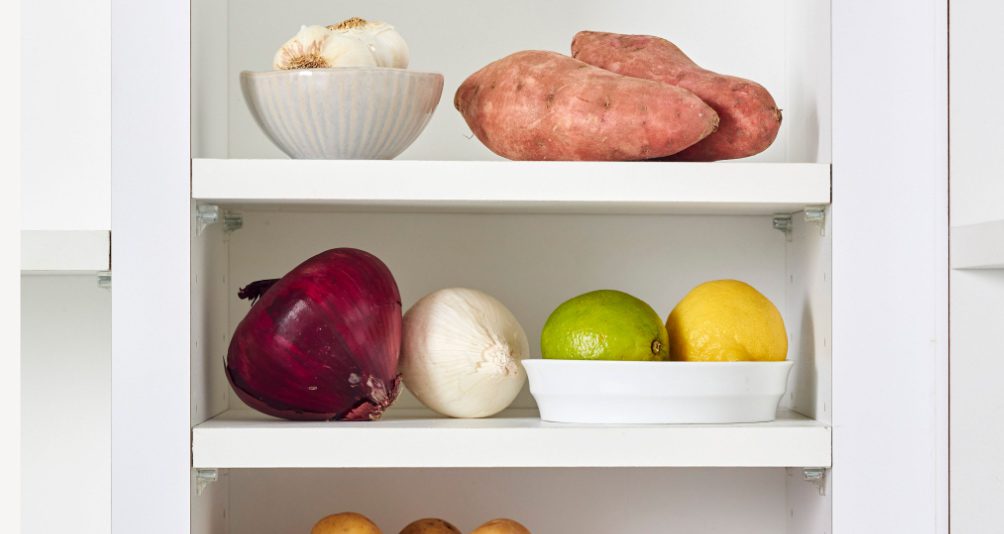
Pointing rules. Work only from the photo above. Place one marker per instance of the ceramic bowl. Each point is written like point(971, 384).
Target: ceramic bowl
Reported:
point(577, 391)
point(343, 113)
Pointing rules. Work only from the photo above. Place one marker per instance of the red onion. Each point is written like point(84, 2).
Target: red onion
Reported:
point(322, 342)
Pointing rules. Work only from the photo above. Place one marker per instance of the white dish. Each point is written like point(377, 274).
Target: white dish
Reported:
point(576, 391)
point(343, 113)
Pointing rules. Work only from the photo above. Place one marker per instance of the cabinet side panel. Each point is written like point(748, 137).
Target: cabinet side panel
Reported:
point(65, 126)
point(150, 302)
point(977, 196)
point(977, 367)
point(810, 511)
point(210, 391)
point(890, 267)
point(65, 374)
point(210, 329)
point(809, 313)
point(977, 113)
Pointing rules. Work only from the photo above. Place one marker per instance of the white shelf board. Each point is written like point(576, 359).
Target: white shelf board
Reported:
point(57, 251)
point(978, 246)
point(745, 188)
point(516, 438)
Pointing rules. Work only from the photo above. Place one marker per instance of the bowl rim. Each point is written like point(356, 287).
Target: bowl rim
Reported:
point(664, 363)
point(337, 71)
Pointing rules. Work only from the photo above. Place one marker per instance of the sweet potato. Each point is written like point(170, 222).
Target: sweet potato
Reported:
point(749, 116)
point(537, 105)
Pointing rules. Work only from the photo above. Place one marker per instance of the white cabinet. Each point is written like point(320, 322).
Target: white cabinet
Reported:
point(63, 72)
point(65, 404)
point(449, 213)
point(66, 136)
point(977, 193)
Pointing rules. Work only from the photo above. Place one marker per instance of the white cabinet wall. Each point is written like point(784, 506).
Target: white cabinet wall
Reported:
point(66, 405)
point(66, 115)
point(889, 428)
point(66, 135)
point(977, 187)
point(65, 223)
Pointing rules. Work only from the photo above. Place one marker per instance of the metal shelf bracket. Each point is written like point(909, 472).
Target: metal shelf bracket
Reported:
point(817, 216)
point(817, 476)
point(207, 214)
point(204, 477)
point(782, 222)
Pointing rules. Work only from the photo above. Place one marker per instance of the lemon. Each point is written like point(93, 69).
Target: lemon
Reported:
point(726, 320)
point(604, 325)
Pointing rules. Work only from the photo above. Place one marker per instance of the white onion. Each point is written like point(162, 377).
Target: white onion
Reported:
point(461, 353)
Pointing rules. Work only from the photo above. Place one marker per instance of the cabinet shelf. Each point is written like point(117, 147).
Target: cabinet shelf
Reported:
point(729, 188)
point(65, 251)
point(515, 438)
point(978, 246)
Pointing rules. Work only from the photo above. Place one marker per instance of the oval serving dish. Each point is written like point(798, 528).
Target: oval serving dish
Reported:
point(577, 391)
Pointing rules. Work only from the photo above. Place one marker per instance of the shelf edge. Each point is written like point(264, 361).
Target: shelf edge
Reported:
point(978, 246)
point(65, 251)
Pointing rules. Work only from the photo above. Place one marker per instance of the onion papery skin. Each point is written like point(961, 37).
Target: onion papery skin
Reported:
point(461, 353)
point(321, 343)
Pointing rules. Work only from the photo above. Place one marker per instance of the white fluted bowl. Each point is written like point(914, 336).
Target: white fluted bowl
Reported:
point(587, 391)
point(343, 113)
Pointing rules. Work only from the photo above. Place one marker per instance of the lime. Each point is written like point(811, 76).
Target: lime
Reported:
point(604, 325)
point(726, 320)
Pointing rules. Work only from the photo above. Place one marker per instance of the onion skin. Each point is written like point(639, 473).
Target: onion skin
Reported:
point(321, 343)
point(461, 351)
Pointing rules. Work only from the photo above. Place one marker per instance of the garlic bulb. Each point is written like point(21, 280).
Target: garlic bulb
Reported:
point(303, 51)
point(387, 46)
point(461, 353)
point(352, 43)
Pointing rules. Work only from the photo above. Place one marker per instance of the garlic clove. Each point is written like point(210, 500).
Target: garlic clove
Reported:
point(393, 48)
point(345, 51)
point(383, 41)
point(304, 50)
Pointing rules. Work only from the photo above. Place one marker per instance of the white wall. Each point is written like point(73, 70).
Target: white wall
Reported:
point(66, 115)
point(66, 405)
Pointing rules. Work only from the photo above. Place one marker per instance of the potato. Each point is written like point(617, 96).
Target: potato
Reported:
point(345, 523)
point(537, 105)
point(430, 525)
point(501, 526)
point(749, 116)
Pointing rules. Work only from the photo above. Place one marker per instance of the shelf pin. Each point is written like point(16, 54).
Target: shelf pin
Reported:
point(817, 476)
point(204, 477)
point(207, 214)
point(105, 279)
point(817, 216)
point(782, 222)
